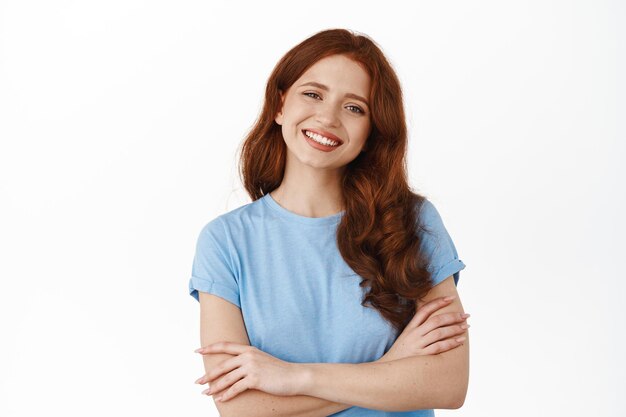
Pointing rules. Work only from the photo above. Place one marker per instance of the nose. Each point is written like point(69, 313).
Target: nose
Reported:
point(327, 116)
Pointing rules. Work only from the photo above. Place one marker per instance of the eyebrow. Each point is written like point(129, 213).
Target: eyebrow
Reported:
point(323, 87)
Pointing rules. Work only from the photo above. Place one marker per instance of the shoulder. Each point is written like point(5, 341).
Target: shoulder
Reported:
point(431, 227)
point(245, 214)
point(437, 244)
point(428, 215)
point(237, 218)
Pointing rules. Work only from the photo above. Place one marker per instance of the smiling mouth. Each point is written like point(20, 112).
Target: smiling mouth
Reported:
point(320, 146)
point(322, 140)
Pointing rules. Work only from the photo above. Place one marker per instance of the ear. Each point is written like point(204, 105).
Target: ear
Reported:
point(279, 115)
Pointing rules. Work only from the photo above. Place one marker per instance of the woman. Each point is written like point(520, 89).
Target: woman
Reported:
point(309, 295)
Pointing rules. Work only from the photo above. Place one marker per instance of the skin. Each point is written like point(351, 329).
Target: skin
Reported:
point(311, 188)
point(409, 383)
point(425, 334)
point(311, 184)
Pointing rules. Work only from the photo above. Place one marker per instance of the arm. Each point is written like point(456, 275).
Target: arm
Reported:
point(416, 382)
point(222, 320)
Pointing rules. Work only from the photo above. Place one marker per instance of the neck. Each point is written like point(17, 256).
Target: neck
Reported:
point(310, 192)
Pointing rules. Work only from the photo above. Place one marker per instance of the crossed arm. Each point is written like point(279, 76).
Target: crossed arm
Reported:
point(417, 382)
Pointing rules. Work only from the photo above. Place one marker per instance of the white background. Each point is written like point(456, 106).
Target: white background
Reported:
point(120, 123)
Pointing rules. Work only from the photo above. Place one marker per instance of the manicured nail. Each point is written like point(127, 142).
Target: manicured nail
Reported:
point(449, 298)
point(198, 350)
point(460, 339)
point(465, 315)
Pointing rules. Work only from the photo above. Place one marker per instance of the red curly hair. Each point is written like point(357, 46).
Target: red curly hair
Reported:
point(378, 234)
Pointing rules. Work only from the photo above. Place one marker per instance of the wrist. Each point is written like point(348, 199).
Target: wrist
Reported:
point(304, 379)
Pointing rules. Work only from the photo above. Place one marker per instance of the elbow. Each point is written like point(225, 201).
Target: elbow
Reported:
point(451, 403)
point(453, 396)
point(234, 410)
point(446, 400)
point(230, 408)
point(224, 411)
point(458, 384)
point(458, 403)
point(457, 400)
point(249, 403)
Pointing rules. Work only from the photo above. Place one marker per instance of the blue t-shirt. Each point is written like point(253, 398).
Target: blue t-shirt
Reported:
point(299, 299)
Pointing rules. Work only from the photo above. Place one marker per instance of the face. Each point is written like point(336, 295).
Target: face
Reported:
point(330, 103)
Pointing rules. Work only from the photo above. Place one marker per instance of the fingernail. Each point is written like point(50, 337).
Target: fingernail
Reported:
point(465, 315)
point(198, 350)
point(460, 339)
point(198, 380)
point(450, 298)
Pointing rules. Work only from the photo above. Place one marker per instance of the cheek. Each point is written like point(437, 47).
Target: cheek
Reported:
point(362, 132)
point(296, 109)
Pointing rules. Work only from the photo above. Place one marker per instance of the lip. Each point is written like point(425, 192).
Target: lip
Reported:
point(319, 146)
point(325, 134)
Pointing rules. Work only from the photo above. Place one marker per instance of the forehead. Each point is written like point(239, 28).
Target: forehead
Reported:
point(340, 73)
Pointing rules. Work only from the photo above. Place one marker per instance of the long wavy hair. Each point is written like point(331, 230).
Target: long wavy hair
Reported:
point(378, 233)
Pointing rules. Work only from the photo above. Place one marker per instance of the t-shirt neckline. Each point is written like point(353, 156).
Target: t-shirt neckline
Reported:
point(291, 216)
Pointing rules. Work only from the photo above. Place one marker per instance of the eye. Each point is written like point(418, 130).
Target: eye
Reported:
point(357, 111)
point(358, 108)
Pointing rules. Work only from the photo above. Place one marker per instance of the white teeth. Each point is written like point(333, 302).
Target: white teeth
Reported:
point(321, 139)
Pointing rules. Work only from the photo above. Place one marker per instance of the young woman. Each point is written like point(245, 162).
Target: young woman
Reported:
point(319, 296)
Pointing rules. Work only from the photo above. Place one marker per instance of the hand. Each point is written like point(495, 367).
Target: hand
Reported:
point(429, 335)
point(250, 369)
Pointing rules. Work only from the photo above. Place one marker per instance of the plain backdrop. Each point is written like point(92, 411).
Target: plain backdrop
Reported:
point(120, 123)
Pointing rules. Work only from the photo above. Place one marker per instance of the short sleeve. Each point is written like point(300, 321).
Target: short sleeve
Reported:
point(212, 270)
point(438, 245)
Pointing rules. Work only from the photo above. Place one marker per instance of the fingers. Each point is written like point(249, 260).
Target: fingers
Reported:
point(224, 347)
point(235, 390)
point(223, 367)
point(444, 333)
point(441, 320)
point(427, 309)
point(443, 346)
point(225, 382)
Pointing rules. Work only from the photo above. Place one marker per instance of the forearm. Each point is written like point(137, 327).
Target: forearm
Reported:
point(417, 382)
point(261, 404)
point(254, 403)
